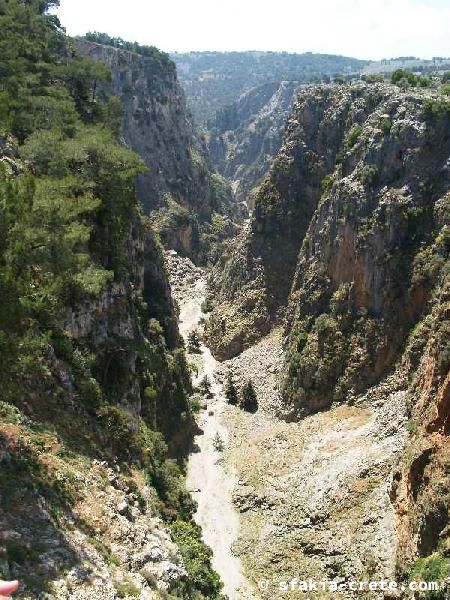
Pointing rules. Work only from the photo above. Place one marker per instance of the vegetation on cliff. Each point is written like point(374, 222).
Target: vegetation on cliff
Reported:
point(94, 382)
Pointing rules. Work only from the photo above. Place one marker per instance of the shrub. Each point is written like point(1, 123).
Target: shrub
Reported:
point(369, 175)
point(353, 136)
point(327, 183)
point(118, 425)
point(125, 589)
point(373, 78)
point(432, 568)
point(197, 560)
point(385, 125)
point(218, 443)
point(206, 306)
point(436, 108)
point(195, 404)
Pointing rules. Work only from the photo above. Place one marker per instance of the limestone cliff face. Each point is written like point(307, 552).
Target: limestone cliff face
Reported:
point(244, 137)
point(264, 263)
point(349, 247)
point(179, 189)
point(337, 230)
point(420, 489)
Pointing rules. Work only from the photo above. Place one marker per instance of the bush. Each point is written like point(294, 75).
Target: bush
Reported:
point(369, 175)
point(353, 136)
point(406, 79)
point(125, 589)
point(432, 568)
point(436, 108)
point(249, 401)
point(327, 183)
point(197, 560)
point(218, 443)
point(206, 306)
point(373, 78)
point(385, 125)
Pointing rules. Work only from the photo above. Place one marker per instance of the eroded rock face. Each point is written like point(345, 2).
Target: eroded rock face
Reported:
point(244, 137)
point(337, 228)
point(179, 189)
point(420, 488)
point(350, 244)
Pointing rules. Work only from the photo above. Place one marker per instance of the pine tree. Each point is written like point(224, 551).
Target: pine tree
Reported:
point(231, 392)
point(194, 342)
point(205, 387)
point(249, 401)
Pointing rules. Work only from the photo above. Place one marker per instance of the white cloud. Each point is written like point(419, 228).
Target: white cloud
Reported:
point(364, 28)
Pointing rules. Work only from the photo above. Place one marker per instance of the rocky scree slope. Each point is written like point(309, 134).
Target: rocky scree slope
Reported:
point(179, 189)
point(244, 137)
point(350, 244)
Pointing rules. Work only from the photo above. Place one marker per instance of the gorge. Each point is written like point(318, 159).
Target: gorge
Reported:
point(224, 353)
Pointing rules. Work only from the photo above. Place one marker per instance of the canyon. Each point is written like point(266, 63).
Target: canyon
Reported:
point(297, 247)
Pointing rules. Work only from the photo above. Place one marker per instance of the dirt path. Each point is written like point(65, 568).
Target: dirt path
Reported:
point(212, 480)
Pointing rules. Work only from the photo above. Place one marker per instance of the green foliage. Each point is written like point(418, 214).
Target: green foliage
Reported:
point(67, 206)
point(412, 426)
point(205, 387)
point(327, 183)
point(436, 108)
point(194, 343)
point(218, 443)
point(117, 42)
point(405, 79)
point(231, 392)
point(446, 77)
point(126, 589)
point(385, 125)
point(339, 79)
point(249, 401)
point(197, 560)
point(206, 306)
point(373, 78)
point(369, 175)
point(353, 136)
point(445, 89)
point(434, 568)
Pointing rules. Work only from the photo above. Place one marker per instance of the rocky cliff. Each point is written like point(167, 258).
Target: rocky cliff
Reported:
point(349, 248)
point(95, 416)
point(243, 138)
point(179, 189)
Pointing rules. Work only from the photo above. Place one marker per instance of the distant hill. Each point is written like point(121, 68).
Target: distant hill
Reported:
point(411, 63)
point(213, 80)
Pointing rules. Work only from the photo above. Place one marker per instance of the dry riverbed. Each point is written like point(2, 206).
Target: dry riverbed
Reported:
point(283, 500)
point(210, 480)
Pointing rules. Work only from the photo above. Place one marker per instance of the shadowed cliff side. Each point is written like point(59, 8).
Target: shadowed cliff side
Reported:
point(179, 190)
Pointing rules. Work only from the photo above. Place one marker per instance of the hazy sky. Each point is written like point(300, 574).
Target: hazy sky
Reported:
point(361, 28)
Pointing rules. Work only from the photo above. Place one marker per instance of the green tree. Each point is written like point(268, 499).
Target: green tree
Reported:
point(231, 392)
point(194, 342)
point(205, 387)
point(249, 401)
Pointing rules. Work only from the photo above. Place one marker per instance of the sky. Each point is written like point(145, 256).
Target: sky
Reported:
point(368, 29)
